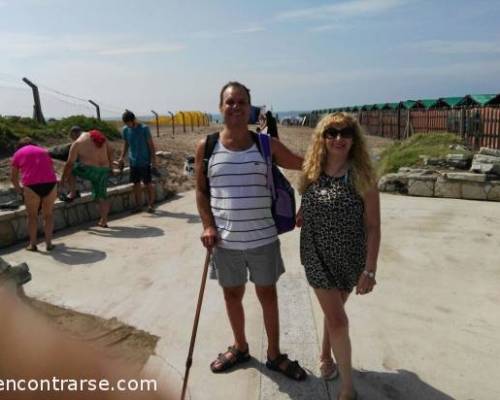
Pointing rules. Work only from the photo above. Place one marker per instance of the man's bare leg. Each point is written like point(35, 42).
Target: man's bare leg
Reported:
point(268, 298)
point(233, 297)
point(151, 196)
point(103, 213)
point(138, 195)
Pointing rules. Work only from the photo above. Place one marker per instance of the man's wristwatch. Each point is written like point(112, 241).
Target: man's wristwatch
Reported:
point(369, 274)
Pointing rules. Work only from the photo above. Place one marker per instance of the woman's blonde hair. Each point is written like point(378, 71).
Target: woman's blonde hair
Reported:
point(361, 169)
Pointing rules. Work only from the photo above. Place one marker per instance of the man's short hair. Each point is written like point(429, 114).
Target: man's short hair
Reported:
point(75, 129)
point(237, 85)
point(128, 116)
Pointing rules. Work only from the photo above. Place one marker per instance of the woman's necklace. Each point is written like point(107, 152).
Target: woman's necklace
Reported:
point(337, 172)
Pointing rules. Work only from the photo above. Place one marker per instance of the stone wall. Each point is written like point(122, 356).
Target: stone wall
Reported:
point(432, 183)
point(13, 224)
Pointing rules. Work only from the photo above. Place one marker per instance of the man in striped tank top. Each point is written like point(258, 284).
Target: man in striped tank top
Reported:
point(234, 204)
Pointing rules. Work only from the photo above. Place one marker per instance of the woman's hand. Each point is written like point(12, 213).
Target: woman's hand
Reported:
point(366, 282)
point(299, 218)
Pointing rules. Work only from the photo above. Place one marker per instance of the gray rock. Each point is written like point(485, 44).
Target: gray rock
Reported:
point(485, 168)
point(394, 183)
point(458, 147)
point(164, 154)
point(466, 176)
point(435, 161)
point(7, 234)
point(59, 220)
point(421, 186)
point(488, 159)
point(475, 191)
point(459, 156)
point(448, 189)
point(489, 152)
point(494, 192)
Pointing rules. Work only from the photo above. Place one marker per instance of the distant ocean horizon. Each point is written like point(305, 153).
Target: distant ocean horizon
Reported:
point(216, 116)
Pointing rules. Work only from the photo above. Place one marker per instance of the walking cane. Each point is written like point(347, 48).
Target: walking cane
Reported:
point(189, 360)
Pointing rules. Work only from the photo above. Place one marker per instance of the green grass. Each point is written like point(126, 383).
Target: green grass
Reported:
point(13, 128)
point(407, 153)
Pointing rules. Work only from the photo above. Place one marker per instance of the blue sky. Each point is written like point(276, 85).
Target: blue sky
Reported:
point(293, 55)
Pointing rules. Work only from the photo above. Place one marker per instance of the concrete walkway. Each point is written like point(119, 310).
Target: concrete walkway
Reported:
point(429, 331)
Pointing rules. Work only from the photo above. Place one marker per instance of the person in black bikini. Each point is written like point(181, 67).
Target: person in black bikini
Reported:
point(38, 189)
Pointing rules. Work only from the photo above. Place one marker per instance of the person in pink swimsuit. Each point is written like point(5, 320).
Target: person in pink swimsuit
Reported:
point(39, 188)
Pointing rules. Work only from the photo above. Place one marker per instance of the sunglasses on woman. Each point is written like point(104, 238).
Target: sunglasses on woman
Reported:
point(345, 133)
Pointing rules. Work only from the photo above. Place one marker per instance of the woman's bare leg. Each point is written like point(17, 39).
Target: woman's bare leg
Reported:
point(32, 203)
point(48, 215)
point(332, 303)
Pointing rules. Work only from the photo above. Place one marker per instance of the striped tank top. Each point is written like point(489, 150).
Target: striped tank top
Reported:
point(240, 199)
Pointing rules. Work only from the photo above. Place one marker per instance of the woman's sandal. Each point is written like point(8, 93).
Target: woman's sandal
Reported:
point(32, 247)
point(50, 247)
point(328, 369)
point(226, 363)
point(291, 369)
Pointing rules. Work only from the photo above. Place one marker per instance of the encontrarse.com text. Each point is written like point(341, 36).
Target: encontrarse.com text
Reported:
point(77, 385)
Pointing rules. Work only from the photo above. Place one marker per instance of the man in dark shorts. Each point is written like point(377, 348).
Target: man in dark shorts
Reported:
point(139, 146)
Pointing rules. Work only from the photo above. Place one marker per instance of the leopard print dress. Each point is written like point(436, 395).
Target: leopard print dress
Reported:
point(333, 238)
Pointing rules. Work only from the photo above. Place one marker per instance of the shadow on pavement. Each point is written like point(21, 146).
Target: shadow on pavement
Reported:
point(191, 218)
point(127, 232)
point(397, 385)
point(75, 255)
point(312, 388)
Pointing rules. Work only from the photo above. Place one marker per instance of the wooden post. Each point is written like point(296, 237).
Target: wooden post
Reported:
point(183, 121)
point(157, 123)
point(98, 110)
point(37, 107)
point(173, 123)
point(399, 123)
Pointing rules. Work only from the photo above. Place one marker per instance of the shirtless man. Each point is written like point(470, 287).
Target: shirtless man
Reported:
point(90, 157)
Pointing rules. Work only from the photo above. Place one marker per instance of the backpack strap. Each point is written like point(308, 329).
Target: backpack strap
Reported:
point(210, 142)
point(264, 145)
point(256, 140)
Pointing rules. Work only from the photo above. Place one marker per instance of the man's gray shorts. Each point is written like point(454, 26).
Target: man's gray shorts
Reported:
point(264, 264)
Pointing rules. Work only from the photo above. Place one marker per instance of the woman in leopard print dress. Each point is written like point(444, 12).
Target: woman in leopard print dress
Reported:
point(340, 237)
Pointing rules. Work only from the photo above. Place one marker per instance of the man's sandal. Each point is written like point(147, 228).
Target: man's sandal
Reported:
point(289, 368)
point(226, 362)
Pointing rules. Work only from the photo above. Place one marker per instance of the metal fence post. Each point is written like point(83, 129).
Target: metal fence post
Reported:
point(37, 107)
point(98, 110)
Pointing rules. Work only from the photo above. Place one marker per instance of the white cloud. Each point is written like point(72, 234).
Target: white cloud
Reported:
point(250, 30)
point(153, 48)
point(458, 47)
point(218, 34)
point(324, 28)
point(341, 10)
point(18, 45)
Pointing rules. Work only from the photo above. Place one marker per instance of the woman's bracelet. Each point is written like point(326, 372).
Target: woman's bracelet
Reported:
point(369, 274)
